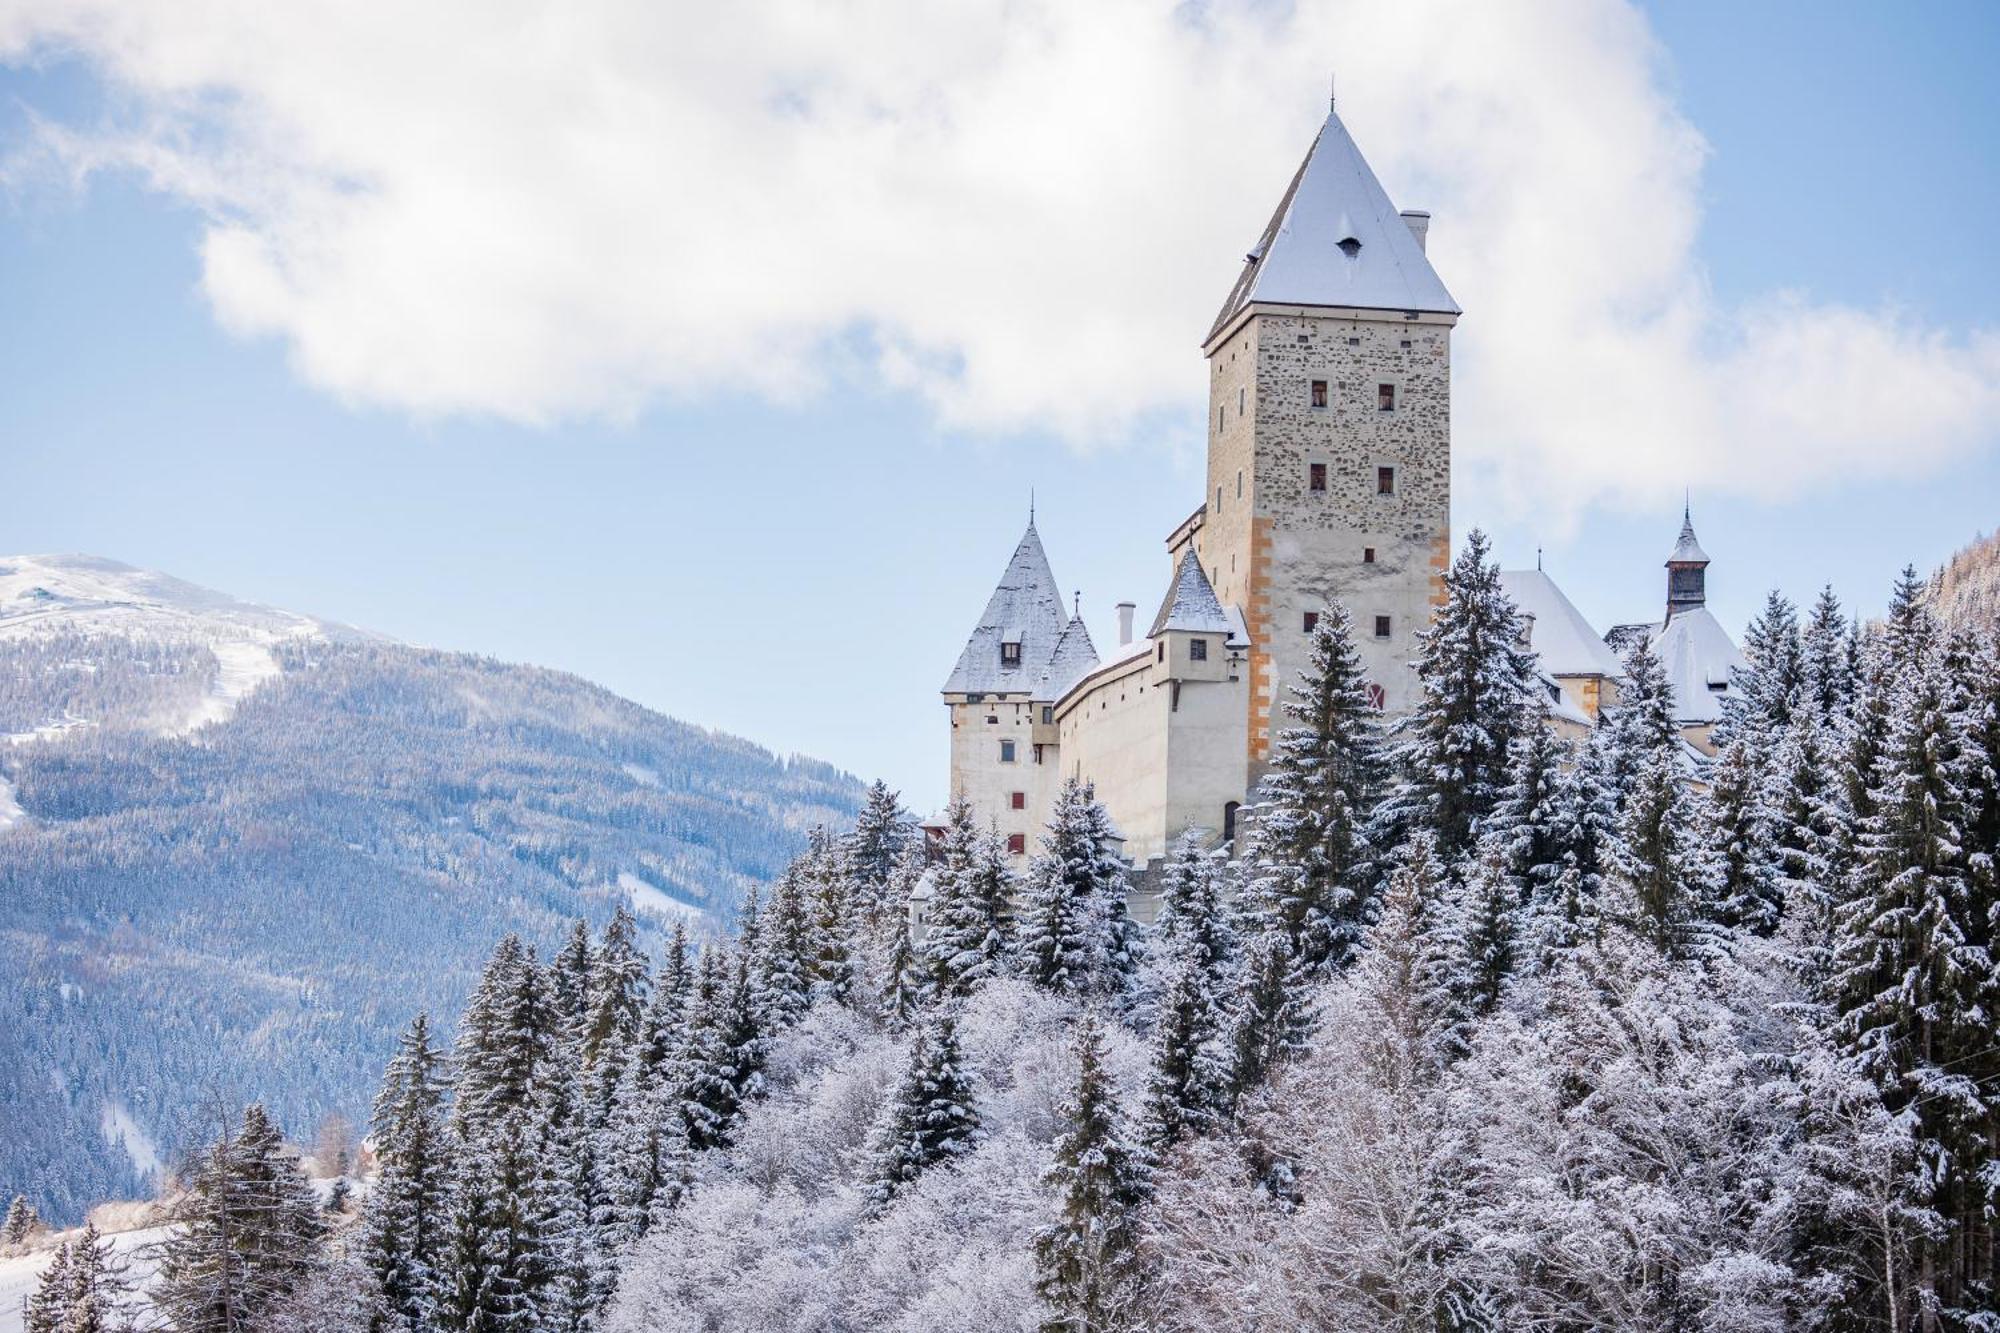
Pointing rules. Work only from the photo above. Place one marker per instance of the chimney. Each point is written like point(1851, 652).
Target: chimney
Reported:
point(1419, 223)
point(1125, 610)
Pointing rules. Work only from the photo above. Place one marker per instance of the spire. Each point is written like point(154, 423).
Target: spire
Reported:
point(1191, 603)
point(1017, 632)
point(1337, 241)
point(1687, 570)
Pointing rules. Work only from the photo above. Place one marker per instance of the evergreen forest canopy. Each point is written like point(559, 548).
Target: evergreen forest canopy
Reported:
point(1483, 1029)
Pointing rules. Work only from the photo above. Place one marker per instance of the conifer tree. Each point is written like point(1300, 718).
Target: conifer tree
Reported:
point(1528, 822)
point(931, 1118)
point(1480, 935)
point(904, 982)
point(1640, 726)
point(573, 1222)
point(1806, 822)
point(1085, 1261)
point(726, 1039)
point(405, 1223)
point(1584, 822)
point(666, 1009)
point(1192, 909)
point(569, 975)
point(1188, 1090)
point(969, 934)
point(834, 923)
point(496, 1264)
point(1076, 938)
point(1421, 976)
point(1769, 684)
point(83, 1290)
point(503, 1038)
point(883, 832)
point(1664, 875)
point(21, 1222)
point(1477, 680)
point(784, 961)
point(615, 995)
point(1312, 861)
point(1826, 674)
point(1741, 839)
point(245, 1232)
point(1273, 1017)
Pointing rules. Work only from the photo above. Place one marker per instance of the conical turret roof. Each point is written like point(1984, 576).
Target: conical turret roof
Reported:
point(1336, 240)
point(1191, 602)
point(1075, 654)
point(1026, 608)
point(1687, 551)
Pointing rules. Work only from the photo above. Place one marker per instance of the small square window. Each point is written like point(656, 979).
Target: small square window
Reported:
point(1312, 621)
point(1381, 627)
point(1006, 752)
point(1385, 397)
point(1316, 476)
point(1385, 481)
point(1197, 650)
point(992, 720)
point(1367, 555)
point(1019, 800)
point(1048, 714)
point(1354, 342)
point(1319, 393)
point(1017, 844)
point(1010, 654)
point(1406, 343)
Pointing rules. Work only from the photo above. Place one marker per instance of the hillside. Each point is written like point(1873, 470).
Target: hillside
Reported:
point(239, 846)
point(1965, 590)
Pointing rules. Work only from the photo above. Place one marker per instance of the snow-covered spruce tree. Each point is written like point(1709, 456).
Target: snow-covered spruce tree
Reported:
point(1192, 907)
point(568, 1207)
point(1272, 1021)
point(1736, 826)
point(83, 1290)
point(1886, 656)
point(1481, 934)
point(643, 1152)
point(883, 831)
point(496, 1264)
point(1311, 863)
point(666, 1009)
point(835, 924)
point(1914, 985)
point(782, 966)
point(1827, 677)
point(1187, 1092)
point(1805, 816)
point(1640, 726)
point(1663, 880)
point(503, 1037)
point(1975, 666)
point(569, 980)
point(1768, 685)
point(1584, 829)
point(931, 1117)
point(245, 1231)
point(1075, 937)
point(1527, 821)
point(21, 1222)
point(1477, 679)
point(726, 1041)
point(967, 938)
point(1085, 1261)
point(404, 1224)
point(904, 982)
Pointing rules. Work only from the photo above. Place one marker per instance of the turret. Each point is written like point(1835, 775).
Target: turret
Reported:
point(1687, 572)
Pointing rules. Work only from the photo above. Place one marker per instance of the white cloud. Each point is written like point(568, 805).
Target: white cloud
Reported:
point(1026, 211)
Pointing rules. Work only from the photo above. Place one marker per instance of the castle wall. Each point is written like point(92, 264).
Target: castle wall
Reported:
point(1278, 549)
point(983, 777)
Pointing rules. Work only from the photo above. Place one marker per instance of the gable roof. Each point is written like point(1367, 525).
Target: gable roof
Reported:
point(1698, 656)
point(1026, 608)
point(1336, 240)
point(1560, 636)
point(1191, 603)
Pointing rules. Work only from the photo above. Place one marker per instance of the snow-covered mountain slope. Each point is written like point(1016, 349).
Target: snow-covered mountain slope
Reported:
point(240, 847)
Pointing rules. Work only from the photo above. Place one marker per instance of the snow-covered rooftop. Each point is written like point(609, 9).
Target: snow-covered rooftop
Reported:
point(1074, 656)
point(1698, 655)
point(1026, 608)
point(1336, 240)
point(1560, 636)
point(1687, 550)
point(1191, 603)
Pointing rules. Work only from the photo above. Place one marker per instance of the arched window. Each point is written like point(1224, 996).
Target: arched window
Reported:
point(1229, 820)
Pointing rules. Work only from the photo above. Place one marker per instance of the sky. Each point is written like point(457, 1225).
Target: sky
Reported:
point(714, 356)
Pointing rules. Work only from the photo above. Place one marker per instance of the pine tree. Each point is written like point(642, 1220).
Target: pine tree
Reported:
point(1584, 824)
point(1741, 839)
point(1192, 910)
point(1312, 861)
point(83, 1290)
point(1422, 979)
point(569, 980)
point(1086, 1262)
point(496, 1264)
point(786, 949)
point(503, 1037)
point(883, 832)
point(405, 1221)
point(1805, 817)
point(1826, 677)
point(1664, 876)
point(1076, 938)
point(1640, 727)
point(21, 1222)
point(834, 922)
point(904, 983)
point(725, 1049)
point(1480, 935)
point(1528, 821)
point(1273, 1016)
point(245, 1232)
point(969, 934)
point(1767, 687)
point(1477, 680)
point(931, 1118)
point(1188, 1090)
point(570, 1217)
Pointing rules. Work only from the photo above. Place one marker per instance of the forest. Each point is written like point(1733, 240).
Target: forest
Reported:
point(1479, 1028)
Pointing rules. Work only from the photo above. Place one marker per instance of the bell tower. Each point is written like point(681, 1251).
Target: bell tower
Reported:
point(1329, 433)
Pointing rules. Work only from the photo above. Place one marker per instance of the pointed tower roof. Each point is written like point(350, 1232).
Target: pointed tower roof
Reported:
point(1026, 608)
point(1191, 603)
point(1336, 240)
point(1687, 551)
point(1074, 655)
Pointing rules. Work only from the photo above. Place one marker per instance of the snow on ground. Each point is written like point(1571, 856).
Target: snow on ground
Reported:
point(244, 666)
point(10, 809)
point(639, 773)
point(120, 1128)
point(649, 899)
point(20, 1274)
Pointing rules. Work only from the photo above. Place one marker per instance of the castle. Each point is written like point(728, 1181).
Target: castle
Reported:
point(1329, 481)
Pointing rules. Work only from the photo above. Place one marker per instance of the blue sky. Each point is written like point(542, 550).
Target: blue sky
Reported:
point(797, 558)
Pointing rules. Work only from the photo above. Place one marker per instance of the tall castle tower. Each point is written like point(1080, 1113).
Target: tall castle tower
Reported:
point(1329, 421)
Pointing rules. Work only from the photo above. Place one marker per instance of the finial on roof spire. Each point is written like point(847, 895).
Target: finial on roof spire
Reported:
point(1330, 98)
point(1076, 603)
point(1031, 506)
point(1538, 559)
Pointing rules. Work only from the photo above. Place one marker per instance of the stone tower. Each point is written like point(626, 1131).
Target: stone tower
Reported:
point(1329, 423)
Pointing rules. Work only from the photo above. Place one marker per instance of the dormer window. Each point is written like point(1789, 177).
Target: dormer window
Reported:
point(1350, 246)
point(1010, 654)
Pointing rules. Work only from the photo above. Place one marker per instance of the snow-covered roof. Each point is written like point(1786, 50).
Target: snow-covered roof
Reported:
point(1074, 655)
point(1026, 608)
point(1336, 240)
point(1698, 655)
point(1191, 603)
point(1687, 550)
point(1560, 636)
